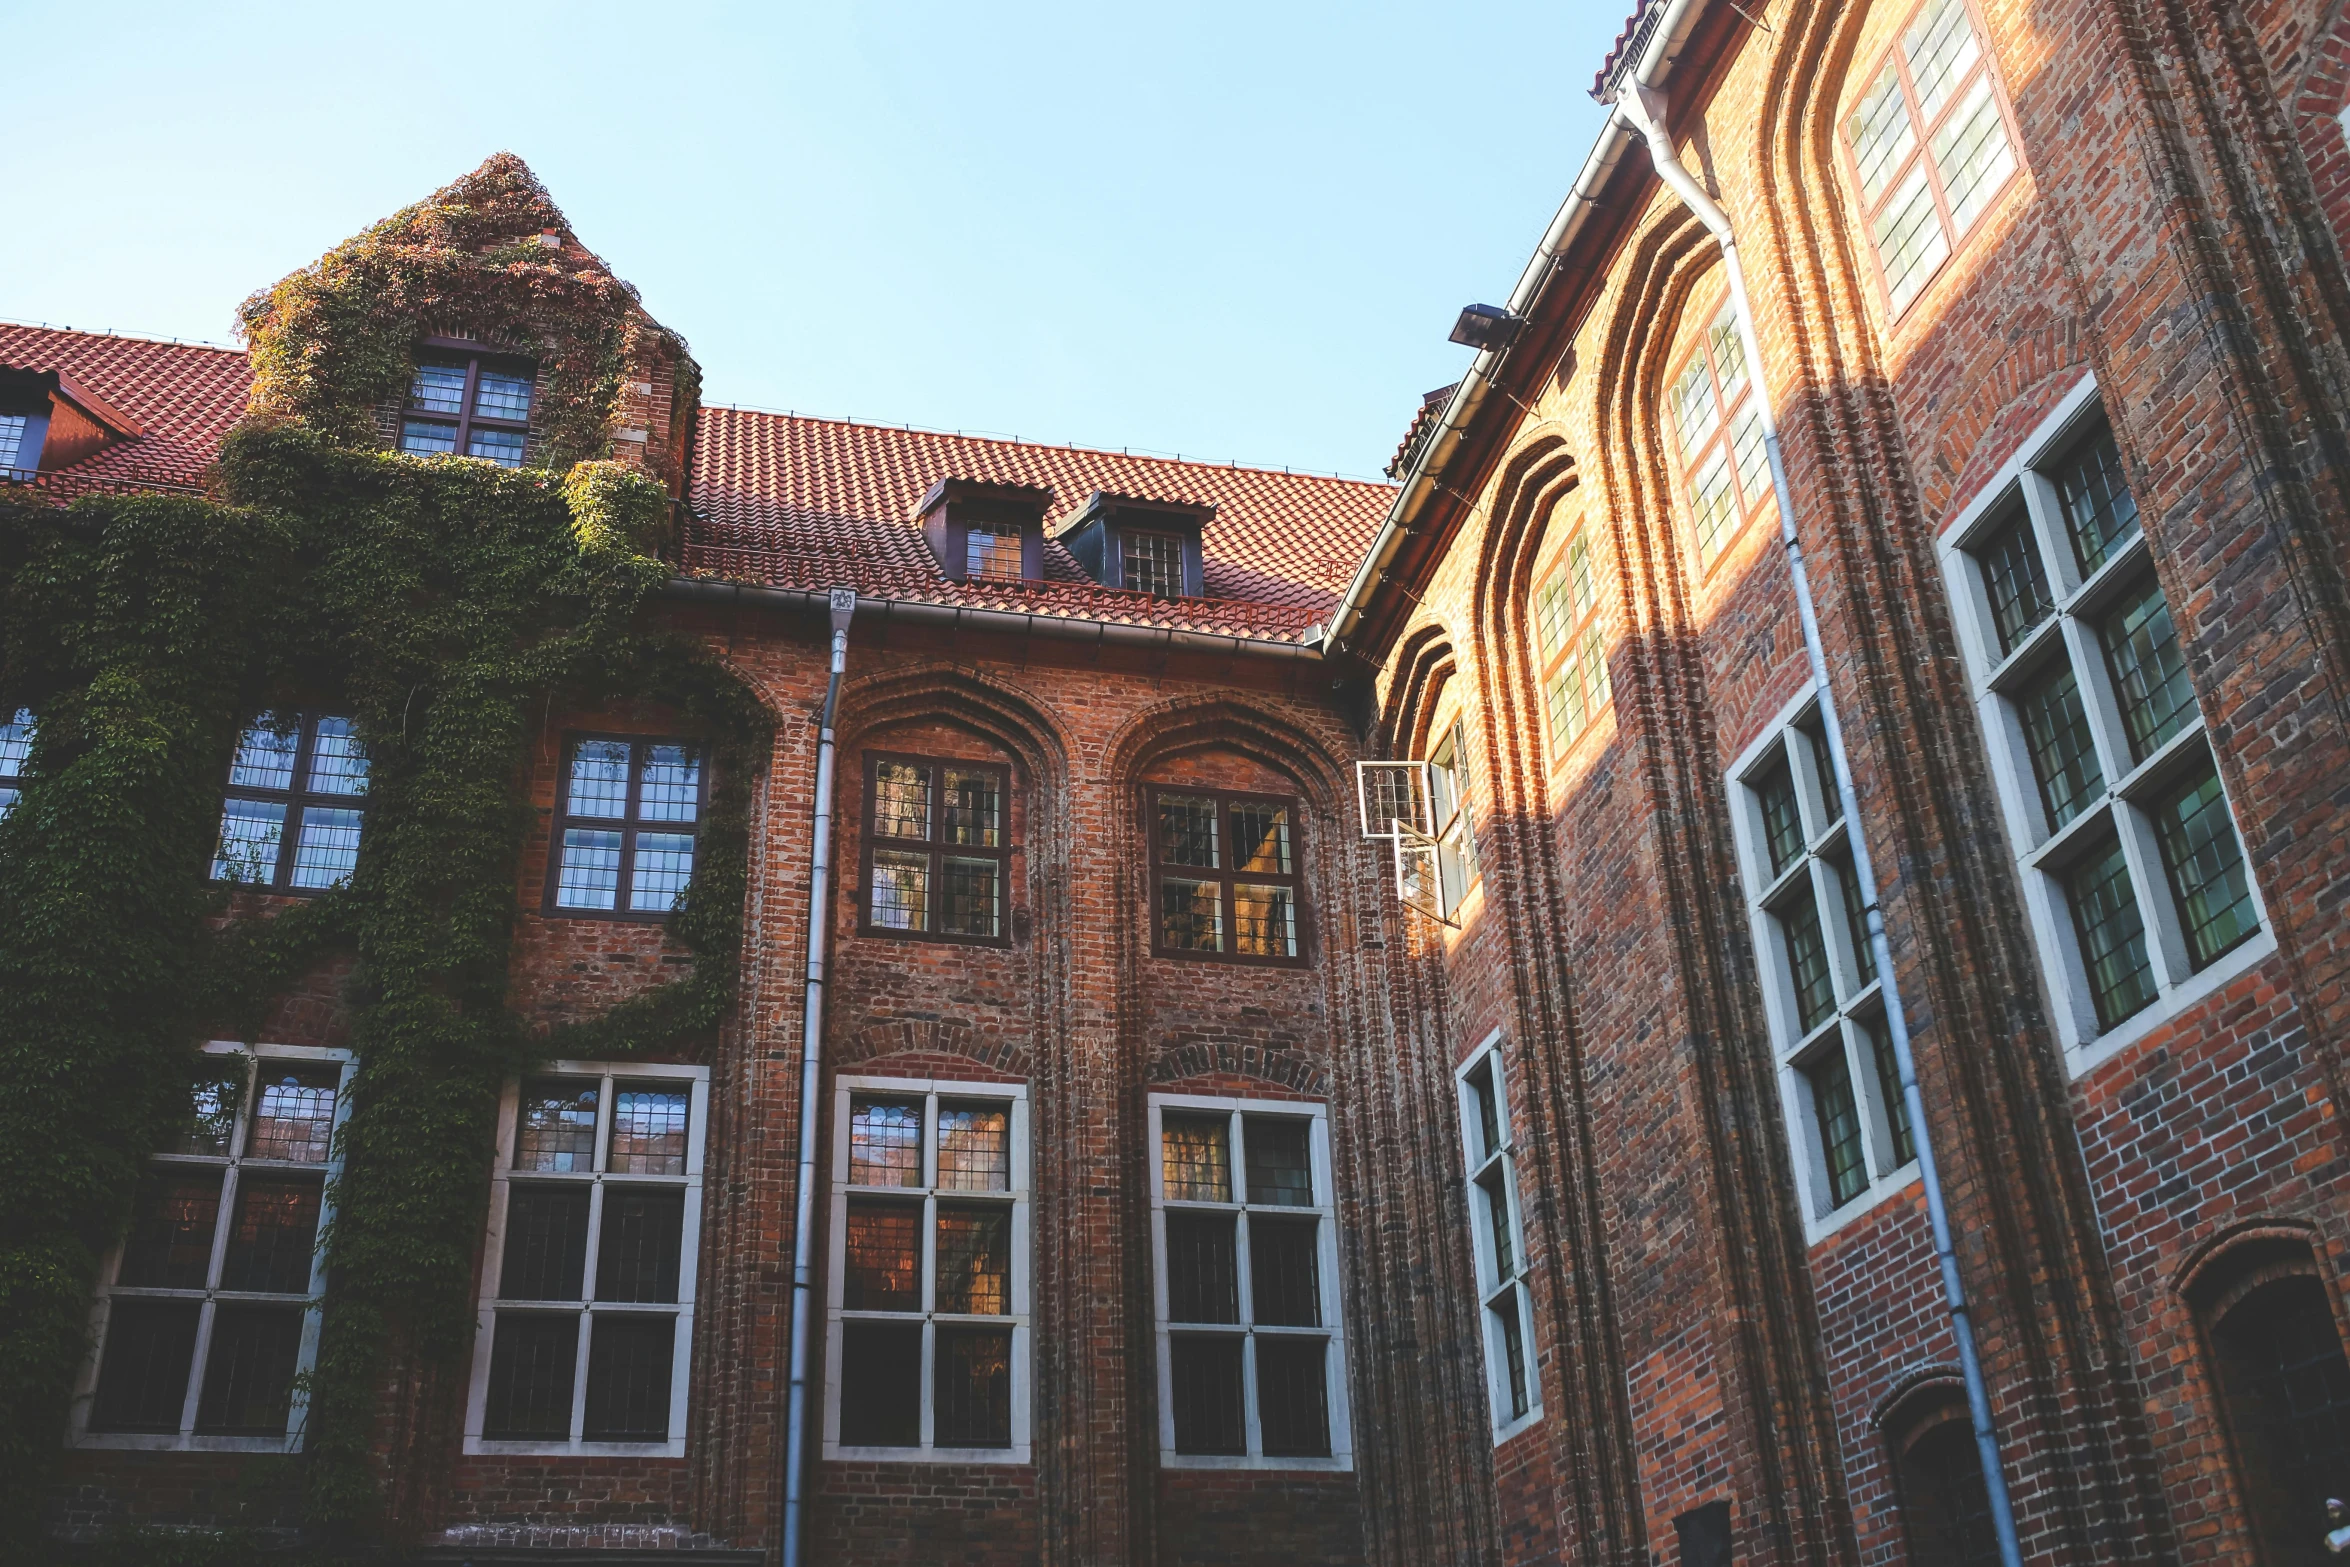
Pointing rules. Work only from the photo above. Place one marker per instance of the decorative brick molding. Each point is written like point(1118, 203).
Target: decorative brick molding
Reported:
point(1183, 1058)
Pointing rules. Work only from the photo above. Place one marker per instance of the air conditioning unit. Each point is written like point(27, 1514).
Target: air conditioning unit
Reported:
point(1395, 804)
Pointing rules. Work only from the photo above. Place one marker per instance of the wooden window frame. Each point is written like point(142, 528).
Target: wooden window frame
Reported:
point(1225, 875)
point(1722, 438)
point(936, 847)
point(298, 798)
point(627, 824)
point(599, 1179)
point(475, 357)
point(1922, 133)
point(1582, 622)
point(251, 1059)
point(1018, 1321)
point(1332, 1332)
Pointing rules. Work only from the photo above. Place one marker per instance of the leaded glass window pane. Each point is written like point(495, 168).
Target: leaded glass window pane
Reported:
point(1279, 1170)
point(556, 1125)
point(1888, 1067)
point(1203, 1267)
point(1941, 48)
point(663, 868)
point(1838, 1118)
point(1196, 1157)
point(901, 805)
point(1260, 838)
point(1264, 921)
point(2112, 935)
point(2014, 583)
point(883, 1257)
point(901, 890)
point(329, 847)
point(885, 1143)
point(337, 763)
point(671, 788)
point(2099, 511)
point(599, 779)
point(1972, 154)
point(1695, 413)
point(265, 756)
point(2149, 673)
point(972, 904)
point(1807, 961)
point(295, 1116)
point(503, 447)
point(2056, 735)
point(422, 438)
point(1881, 133)
point(590, 876)
point(2205, 865)
point(974, 1260)
point(250, 831)
point(1782, 817)
point(1910, 241)
point(1713, 504)
point(438, 389)
point(974, 1148)
point(974, 808)
point(501, 395)
point(1187, 831)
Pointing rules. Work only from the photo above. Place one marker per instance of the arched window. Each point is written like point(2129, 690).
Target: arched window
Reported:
point(2284, 1387)
point(1945, 1507)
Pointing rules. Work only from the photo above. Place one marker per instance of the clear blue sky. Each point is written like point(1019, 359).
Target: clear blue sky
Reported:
point(1238, 231)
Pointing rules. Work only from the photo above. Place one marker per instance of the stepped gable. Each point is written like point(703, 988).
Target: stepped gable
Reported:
point(789, 501)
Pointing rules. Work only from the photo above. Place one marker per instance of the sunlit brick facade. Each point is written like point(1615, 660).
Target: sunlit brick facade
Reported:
point(1571, 1212)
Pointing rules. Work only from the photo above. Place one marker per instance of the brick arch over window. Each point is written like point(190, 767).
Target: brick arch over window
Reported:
point(1424, 664)
point(993, 710)
point(1991, 411)
point(1188, 1055)
point(1938, 1472)
point(930, 1037)
point(2267, 1312)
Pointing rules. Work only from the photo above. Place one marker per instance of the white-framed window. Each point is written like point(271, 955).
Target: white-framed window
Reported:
point(587, 1302)
point(207, 1318)
point(1252, 1362)
point(928, 1310)
point(1839, 1083)
point(2134, 878)
point(1451, 787)
point(1497, 1236)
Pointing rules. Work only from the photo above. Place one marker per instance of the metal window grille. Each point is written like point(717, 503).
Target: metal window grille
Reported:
point(1224, 876)
point(462, 402)
point(1935, 90)
point(1842, 1101)
point(583, 1320)
point(938, 846)
point(200, 1336)
point(1248, 1341)
point(298, 777)
point(626, 821)
point(2136, 877)
point(927, 1292)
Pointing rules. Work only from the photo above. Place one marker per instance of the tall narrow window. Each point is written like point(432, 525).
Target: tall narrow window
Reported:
point(587, 1307)
point(625, 825)
point(938, 848)
point(2136, 881)
point(16, 755)
point(1497, 1240)
point(210, 1304)
point(929, 1310)
point(298, 780)
point(1930, 147)
point(1839, 1080)
point(471, 405)
point(1938, 1473)
point(1225, 875)
point(1717, 422)
point(1574, 653)
point(1251, 1372)
point(1449, 790)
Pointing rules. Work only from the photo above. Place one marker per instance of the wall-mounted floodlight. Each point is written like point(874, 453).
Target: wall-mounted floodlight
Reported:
point(1487, 327)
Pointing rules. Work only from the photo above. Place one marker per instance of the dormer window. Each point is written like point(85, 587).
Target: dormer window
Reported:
point(1143, 546)
point(18, 456)
point(468, 403)
point(985, 532)
point(50, 421)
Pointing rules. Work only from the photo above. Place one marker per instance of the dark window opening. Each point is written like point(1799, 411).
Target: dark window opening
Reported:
point(532, 1362)
point(249, 1374)
point(1293, 1396)
point(881, 1384)
point(1207, 1401)
point(2285, 1386)
point(974, 1394)
point(1945, 1507)
point(143, 1384)
point(546, 1243)
point(638, 1256)
point(630, 1360)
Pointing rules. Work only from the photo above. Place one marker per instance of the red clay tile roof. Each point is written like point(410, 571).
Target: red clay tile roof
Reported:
point(184, 395)
point(791, 501)
point(788, 501)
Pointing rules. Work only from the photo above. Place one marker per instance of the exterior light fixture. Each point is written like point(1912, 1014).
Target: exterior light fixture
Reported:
point(1487, 327)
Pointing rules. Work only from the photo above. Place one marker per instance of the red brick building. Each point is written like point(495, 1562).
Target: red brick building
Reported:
point(1228, 1154)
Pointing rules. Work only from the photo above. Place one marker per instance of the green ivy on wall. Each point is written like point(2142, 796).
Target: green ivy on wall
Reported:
point(447, 605)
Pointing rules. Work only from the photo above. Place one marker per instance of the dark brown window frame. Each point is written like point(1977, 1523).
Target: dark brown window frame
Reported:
point(475, 356)
point(297, 801)
point(1226, 874)
point(936, 847)
point(628, 824)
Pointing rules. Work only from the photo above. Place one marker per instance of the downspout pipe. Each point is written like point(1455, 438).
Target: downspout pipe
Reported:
point(1644, 109)
point(843, 604)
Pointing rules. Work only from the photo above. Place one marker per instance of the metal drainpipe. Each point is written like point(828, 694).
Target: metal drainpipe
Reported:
point(1644, 109)
point(803, 1246)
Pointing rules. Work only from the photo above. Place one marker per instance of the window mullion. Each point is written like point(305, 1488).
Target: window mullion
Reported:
point(465, 409)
